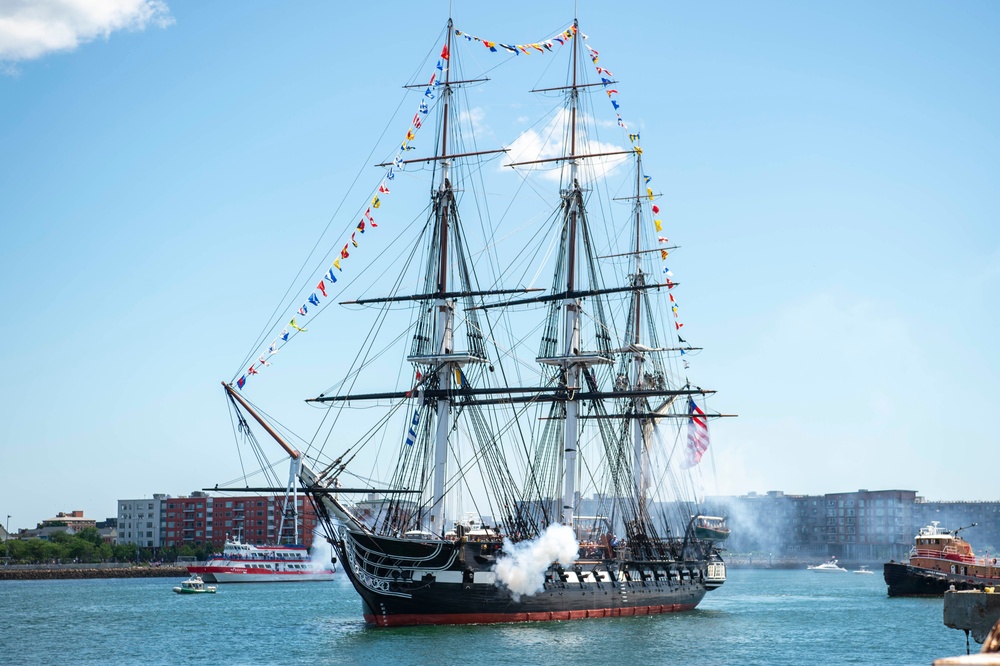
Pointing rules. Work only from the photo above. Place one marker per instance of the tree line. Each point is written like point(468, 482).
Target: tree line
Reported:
point(86, 546)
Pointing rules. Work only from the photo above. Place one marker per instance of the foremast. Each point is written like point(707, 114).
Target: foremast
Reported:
point(439, 359)
point(574, 202)
point(445, 316)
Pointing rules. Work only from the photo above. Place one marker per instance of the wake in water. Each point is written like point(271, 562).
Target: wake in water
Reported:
point(522, 567)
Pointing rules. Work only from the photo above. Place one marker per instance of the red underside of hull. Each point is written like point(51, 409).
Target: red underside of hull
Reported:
point(407, 620)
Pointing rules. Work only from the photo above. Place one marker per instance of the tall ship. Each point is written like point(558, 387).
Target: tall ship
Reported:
point(497, 451)
point(939, 560)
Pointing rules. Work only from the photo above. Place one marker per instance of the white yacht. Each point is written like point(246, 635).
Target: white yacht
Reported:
point(828, 566)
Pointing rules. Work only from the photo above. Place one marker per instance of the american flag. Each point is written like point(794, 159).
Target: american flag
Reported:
point(697, 435)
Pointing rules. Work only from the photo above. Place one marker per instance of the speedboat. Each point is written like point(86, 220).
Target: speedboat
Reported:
point(864, 570)
point(194, 585)
point(828, 566)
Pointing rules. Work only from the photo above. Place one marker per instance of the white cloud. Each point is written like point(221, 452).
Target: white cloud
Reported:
point(475, 118)
point(550, 142)
point(30, 29)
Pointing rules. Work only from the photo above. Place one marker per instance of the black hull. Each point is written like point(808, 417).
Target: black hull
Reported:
point(421, 583)
point(481, 604)
point(906, 581)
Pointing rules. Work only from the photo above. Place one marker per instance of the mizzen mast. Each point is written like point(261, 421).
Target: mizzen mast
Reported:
point(638, 441)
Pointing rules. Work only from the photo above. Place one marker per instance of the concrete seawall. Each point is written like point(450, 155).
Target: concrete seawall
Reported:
point(974, 611)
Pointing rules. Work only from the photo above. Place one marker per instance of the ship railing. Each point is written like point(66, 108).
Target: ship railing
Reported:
point(950, 555)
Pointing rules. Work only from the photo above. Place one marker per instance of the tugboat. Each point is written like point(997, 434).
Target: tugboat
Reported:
point(939, 560)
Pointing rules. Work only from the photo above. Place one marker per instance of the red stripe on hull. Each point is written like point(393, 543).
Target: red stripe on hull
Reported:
point(409, 620)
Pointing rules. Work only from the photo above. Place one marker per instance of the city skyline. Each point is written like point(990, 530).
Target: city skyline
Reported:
point(828, 172)
point(774, 492)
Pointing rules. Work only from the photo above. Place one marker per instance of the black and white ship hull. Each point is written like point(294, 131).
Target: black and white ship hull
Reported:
point(442, 582)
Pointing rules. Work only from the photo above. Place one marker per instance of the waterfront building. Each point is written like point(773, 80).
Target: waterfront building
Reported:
point(43, 533)
point(73, 519)
point(871, 525)
point(199, 518)
point(865, 526)
point(952, 515)
point(773, 524)
point(862, 526)
point(139, 521)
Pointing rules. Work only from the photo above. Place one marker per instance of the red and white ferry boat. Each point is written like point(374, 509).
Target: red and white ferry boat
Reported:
point(246, 563)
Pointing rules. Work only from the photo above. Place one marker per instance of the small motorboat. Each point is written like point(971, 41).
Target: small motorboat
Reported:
point(864, 570)
point(194, 585)
point(830, 566)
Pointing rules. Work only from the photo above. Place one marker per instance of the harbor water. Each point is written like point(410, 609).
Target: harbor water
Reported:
point(758, 617)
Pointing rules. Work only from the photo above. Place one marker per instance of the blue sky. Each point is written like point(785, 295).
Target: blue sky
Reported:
point(831, 171)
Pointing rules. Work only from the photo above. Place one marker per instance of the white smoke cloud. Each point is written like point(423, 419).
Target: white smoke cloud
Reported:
point(30, 29)
point(321, 552)
point(522, 567)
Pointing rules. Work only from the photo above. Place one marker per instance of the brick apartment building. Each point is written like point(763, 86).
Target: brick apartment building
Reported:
point(200, 519)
